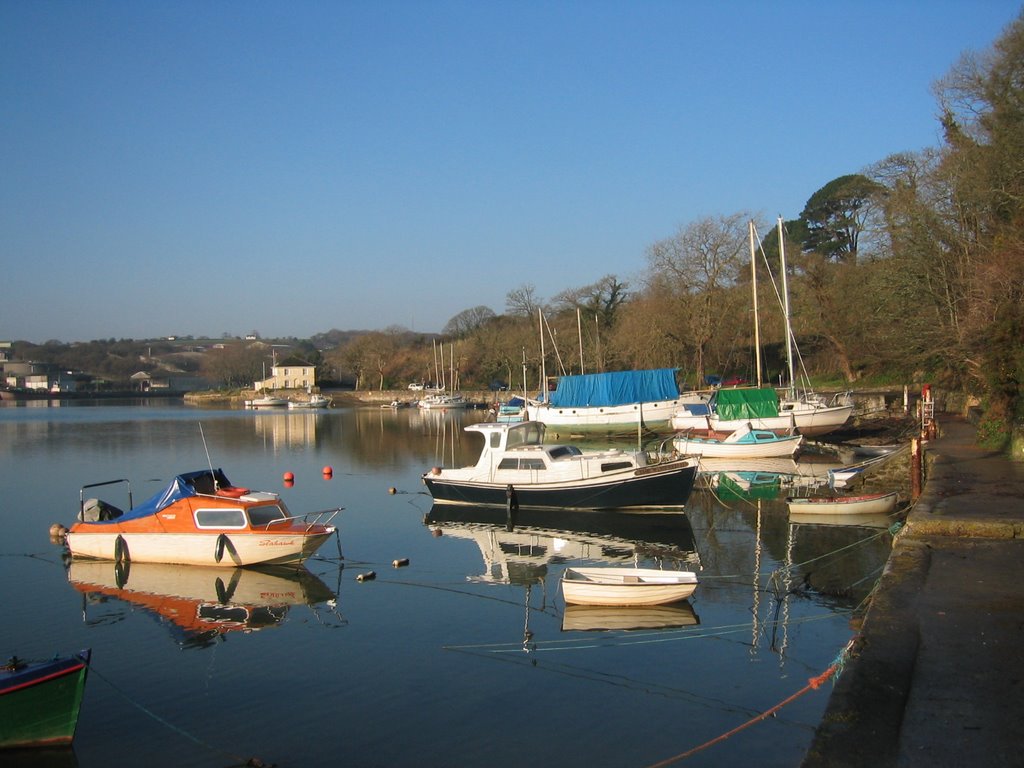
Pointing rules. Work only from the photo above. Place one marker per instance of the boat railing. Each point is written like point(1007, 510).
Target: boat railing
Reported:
point(310, 519)
point(81, 492)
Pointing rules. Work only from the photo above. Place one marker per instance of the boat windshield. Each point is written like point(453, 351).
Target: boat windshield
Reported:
point(265, 515)
point(527, 433)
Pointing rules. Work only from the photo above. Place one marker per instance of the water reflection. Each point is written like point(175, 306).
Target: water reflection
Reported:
point(591, 618)
point(198, 604)
point(518, 550)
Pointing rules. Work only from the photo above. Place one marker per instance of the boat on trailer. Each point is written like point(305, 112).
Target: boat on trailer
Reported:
point(199, 518)
point(864, 504)
point(626, 586)
point(40, 700)
point(516, 469)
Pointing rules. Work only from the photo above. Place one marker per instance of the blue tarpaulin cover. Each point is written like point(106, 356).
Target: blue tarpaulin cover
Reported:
point(617, 388)
point(180, 487)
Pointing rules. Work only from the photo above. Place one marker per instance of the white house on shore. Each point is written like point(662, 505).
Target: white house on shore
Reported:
point(290, 373)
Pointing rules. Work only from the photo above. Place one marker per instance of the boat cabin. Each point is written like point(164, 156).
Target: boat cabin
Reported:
point(520, 446)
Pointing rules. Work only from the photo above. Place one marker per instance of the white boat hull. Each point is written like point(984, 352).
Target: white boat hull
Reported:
point(871, 504)
point(620, 419)
point(716, 449)
point(626, 586)
point(235, 549)
point(819, 421)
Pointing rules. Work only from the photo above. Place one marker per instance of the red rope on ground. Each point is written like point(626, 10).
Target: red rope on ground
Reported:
point(812, 684)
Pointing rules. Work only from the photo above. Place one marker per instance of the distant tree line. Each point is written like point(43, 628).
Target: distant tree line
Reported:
point(910, 270)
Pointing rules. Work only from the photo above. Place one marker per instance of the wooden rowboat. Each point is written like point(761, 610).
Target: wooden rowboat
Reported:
point(866, 504)
point(626, 586)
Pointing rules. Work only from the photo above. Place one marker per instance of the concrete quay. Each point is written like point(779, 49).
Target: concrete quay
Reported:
point(936, 677)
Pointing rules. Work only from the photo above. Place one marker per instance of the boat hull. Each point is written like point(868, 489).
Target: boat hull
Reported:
point(626, 586)
point(871, 504)
point(214, 548)
point(39, 703)
point(611, 419)
point(783, 447)
point(810, 424)
point(658, 486)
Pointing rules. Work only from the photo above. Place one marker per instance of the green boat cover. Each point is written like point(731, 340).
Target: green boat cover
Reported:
point(757, 403)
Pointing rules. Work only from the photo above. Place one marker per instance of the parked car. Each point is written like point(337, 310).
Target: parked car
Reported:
point(416, 387)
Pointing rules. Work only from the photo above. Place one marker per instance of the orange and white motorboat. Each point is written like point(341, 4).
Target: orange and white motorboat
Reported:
point(200, 518)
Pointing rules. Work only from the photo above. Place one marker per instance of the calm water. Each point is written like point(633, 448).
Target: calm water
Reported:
point(466, 657)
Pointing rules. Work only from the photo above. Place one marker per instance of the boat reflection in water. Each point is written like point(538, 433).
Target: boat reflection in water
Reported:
point(518, 549)
point(589, 618)
point(524, 548)
point(199, 604)
point(752, 479)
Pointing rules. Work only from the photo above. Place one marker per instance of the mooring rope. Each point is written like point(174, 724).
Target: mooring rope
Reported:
point(250, 761)
point(812, 684)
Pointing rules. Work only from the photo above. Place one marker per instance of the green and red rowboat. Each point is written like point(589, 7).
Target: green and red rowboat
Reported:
point(39, 700)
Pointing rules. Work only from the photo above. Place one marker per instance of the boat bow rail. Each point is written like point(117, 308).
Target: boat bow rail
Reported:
point(310, 520)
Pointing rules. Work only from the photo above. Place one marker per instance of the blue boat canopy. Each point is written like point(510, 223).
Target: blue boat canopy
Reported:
point(203, 481)
point(616, 388)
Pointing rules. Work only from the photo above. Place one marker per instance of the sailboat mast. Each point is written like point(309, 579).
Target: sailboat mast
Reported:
point(579, 332)
point(543, 367)
point(757, 322)
point(785, 307)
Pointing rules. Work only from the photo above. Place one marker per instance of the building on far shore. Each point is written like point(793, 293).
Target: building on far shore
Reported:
point(290, 373)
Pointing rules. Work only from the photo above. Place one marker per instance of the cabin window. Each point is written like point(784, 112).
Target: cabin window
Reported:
point(513, 463)
point(564, 450)
point(266, 515)
point(495, 440)
point(220, 518)
point(611, 466)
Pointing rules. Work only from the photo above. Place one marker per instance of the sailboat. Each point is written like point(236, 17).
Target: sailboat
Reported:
point(617, 402)
point(442, 399)
point(761, 407)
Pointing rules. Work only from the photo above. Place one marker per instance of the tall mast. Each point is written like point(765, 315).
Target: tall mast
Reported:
point(579, 332)
point(785, 308)
point(753, 283)
point(543, 367)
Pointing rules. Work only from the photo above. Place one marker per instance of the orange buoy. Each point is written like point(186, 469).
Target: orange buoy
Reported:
point(288, 477)
point(328, 471)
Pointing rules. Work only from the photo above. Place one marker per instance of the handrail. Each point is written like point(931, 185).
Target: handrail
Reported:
point(318, 518)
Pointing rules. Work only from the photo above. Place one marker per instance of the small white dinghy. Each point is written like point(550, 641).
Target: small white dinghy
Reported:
point(626, 586)
point(865, 504)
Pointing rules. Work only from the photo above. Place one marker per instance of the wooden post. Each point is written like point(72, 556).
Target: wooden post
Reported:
point(915, 468)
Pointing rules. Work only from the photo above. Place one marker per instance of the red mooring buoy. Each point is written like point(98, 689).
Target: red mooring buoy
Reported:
point(289, 477)
point(328, 471)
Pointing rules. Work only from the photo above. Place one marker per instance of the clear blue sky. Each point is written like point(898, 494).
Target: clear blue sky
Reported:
point(208, 167)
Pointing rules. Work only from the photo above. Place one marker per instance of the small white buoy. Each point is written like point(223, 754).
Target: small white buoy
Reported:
point(368, 576)
point(400, 562)
point(58, 531)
